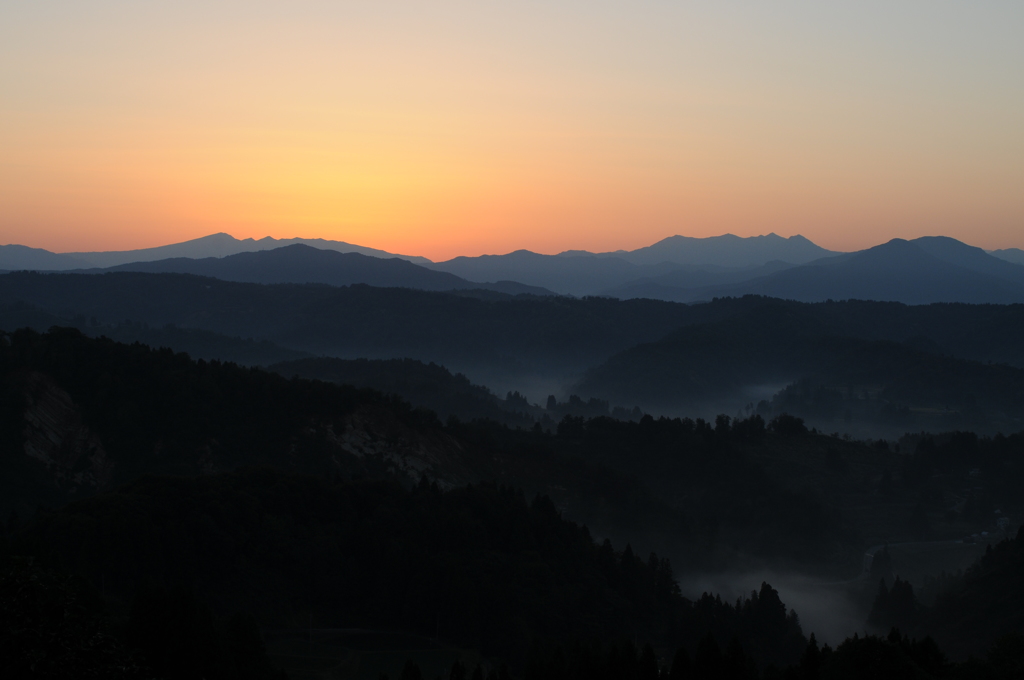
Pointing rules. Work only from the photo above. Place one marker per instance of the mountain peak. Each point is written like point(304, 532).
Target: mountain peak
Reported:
point(728, 250)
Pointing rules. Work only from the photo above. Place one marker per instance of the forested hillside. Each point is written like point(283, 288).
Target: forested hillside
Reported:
point(85, 415)
point(303, 503)
point(478, 565)
point(834, 375)
point(427, 385)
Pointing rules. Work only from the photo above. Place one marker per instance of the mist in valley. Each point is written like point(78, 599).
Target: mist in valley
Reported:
point(833, 611)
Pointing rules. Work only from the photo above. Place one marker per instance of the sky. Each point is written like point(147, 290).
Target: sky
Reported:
point(461, 128)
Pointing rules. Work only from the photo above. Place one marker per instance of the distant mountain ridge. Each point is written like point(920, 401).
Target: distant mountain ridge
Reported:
point(1015, 255)
point(298, 263)
point(922, 271)
point(580, 275)
point(702, 261)
point(15, 257)
point(676, 269)
point(726, 250)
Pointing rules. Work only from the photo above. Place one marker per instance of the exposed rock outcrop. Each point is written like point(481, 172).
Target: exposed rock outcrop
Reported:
point(56, 435)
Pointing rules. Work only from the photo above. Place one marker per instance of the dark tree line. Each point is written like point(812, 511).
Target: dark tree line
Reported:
point(479, 564)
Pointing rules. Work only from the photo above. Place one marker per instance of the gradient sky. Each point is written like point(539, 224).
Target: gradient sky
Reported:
point(448, 128)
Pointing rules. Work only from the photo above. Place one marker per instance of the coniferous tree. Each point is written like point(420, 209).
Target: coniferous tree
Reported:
point(681, 667)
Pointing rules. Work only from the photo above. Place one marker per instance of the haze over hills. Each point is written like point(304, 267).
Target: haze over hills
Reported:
point(1015, 255)
point(701, 261)
point(535, 345)
point(922, 271)
point(725, 251)
point(838, 374)
point(299, 263)
point(90, 421)
point(583, 274)
point(156, 453)
point(679, 269)
point(501, 341)
point(16, 258)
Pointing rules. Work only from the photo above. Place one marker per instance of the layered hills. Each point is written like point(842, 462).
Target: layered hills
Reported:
point(836, 372)
point(367, 513)
point(701, 261)
point(919, 365)
point(682, 269)
point(922, 271)
point(299, 263)
point(16, 258)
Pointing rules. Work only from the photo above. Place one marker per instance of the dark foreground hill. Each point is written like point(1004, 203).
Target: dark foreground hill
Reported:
point(983, 605)
point(966, 611)
point(332, 526)
point(426, 385)
point(479, 565)
point(81, 416)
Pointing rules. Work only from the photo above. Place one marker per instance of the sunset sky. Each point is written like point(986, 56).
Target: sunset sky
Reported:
point(461, 128)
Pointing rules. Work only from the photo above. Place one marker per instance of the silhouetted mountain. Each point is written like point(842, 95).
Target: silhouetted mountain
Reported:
point(922, 271)
point(222, 245)
point(1015, 255)
point(582, 274)
point(304, 264)
point(681, 269)
point(676, 285)
point(726, 251)
point(975, 259)
point(19, 258)
point(698, 262)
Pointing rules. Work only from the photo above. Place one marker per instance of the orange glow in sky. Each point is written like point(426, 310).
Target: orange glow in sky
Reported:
point(445, 129)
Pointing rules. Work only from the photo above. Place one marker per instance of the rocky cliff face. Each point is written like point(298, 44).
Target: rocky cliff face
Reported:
point(56, 436)
point(374, 432)
point(71, 461)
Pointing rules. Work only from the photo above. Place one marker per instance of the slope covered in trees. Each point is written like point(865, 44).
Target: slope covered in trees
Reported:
point(84, 415)
point(833, 376)
point(477, 565)
point(970, 610)
point(330, 528)
point(514, 335)
point(299, 263)
point(426, 385)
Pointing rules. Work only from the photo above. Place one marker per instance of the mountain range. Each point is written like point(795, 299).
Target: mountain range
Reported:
point(702, 261)
point(678, 269)
point(299, 263)
point(921, 271)
point(16, 257)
